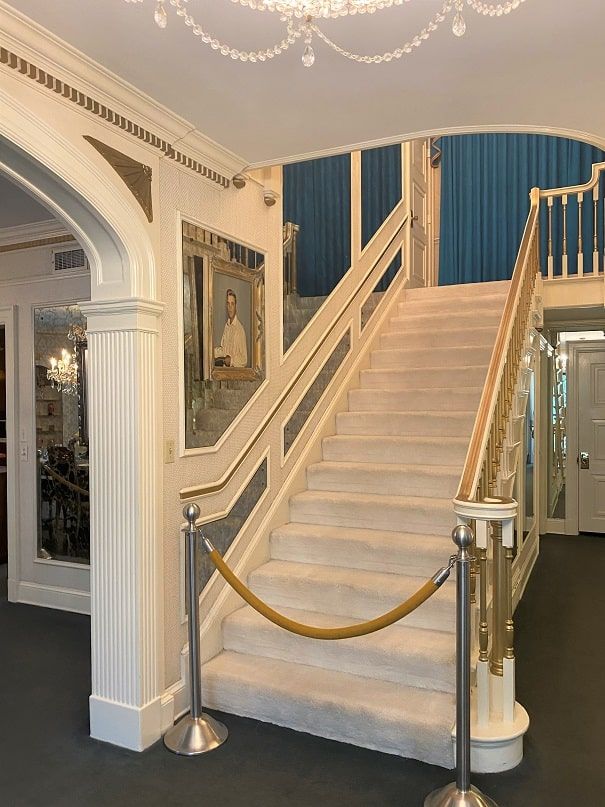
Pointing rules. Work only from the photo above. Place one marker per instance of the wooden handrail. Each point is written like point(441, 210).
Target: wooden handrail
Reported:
point(570, 190)
point(481, 430)
point(395, 230)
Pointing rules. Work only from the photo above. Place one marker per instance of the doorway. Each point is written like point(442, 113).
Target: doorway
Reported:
point(3, 464)
point(576, 447)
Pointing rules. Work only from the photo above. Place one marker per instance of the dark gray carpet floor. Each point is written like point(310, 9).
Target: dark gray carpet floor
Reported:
point(47, 758)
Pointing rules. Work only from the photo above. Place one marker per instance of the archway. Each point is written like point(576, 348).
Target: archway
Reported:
point(123, 344)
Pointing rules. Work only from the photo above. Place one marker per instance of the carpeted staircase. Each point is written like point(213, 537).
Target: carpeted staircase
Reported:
point(373, 524)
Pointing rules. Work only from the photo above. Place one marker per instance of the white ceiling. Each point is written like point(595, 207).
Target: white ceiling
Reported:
point(17, 207)
point(541, 66)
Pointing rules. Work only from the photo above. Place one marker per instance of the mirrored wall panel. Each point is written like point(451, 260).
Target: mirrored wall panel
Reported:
point(316, 237)
point(557, 437)
point(60, 353)
point(224, 331)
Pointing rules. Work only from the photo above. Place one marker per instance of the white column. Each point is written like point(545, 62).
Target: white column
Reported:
point(125, 479)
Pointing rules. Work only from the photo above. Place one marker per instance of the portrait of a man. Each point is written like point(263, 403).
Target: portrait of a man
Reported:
point(233, 349)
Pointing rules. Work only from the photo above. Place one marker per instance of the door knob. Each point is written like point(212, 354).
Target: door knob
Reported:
point(413, 218)
point(584, 460)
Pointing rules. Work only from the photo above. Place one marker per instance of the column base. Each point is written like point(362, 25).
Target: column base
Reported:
point(130, 727)
point(497, 746)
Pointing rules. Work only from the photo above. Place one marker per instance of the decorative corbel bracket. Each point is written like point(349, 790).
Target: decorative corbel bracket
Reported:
point(135, 175)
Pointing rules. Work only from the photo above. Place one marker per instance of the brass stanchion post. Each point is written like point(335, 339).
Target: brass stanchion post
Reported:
point(461, 793)
point(197, 732)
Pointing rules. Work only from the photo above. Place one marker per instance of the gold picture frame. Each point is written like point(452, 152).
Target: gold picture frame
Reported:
point(247, 285)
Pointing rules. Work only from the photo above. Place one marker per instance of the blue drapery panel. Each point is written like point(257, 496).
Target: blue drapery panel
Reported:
point(381, 188)
point(317, 197)
point(485, 185)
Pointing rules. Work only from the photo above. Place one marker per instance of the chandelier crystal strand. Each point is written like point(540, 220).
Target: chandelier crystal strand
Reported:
point(405, 49)
point(494, 10)
point(302, 17)
point(459, 25)
point(293, 32)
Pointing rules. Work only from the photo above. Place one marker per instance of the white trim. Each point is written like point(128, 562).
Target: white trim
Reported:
point(22, 233)
point(8, 318)
point(40, 47)
point(126, 726)
point(591, 139)
point(61, 599)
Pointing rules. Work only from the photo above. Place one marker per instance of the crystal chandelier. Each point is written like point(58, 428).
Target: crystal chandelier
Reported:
point(303, 18)
point(63, 373)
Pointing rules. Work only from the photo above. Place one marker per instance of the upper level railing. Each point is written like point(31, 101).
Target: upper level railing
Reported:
point(483, 457)
point(575, 227)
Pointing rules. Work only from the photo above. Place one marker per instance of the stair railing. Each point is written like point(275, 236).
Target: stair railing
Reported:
point(581, 207)
point(483, 497)
point(290, 240)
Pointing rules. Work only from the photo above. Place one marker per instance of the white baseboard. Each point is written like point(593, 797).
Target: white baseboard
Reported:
point(130, 727)
point(61, 599)
point(175, 702)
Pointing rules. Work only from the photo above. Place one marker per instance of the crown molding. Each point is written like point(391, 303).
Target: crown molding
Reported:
point(50, 54)
point(506, 128)
point(37, 231)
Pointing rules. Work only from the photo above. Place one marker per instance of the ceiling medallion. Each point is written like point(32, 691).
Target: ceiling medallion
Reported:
point(303, 18)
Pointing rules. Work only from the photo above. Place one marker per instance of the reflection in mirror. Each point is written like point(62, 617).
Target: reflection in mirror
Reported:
point(557, 442)
point(224, 331)
point(530, 454)
point(60, 349)
point(316, 237)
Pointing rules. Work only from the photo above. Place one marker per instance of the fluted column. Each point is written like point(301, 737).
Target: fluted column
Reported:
point(126, 579)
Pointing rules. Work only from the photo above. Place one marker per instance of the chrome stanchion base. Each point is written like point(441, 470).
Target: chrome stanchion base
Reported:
point(195, 735)
point(450, 796)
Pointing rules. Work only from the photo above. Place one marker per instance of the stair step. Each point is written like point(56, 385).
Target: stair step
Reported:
point(458, 290)
point(441, 399)
point(413, 513)
point(444, 305)
point(403, 655)
point(432, 356)
point(369, 549)
point(452, 319)
point(349, 592)
point(407, 450)
point(463, 337)
point(384, 478)
point(406, 721)
point(399, 424)
point(424, 378)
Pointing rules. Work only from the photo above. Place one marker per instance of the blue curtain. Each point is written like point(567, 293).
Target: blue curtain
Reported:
point(317, 197)
point(380, 187)
point(485, 185)
point(380, 192)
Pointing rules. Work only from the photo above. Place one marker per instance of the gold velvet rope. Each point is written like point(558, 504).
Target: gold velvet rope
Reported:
point(347, 632)
point(63, 481)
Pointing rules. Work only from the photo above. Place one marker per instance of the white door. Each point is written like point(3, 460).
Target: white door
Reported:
point(591, 440)
point(416, 196)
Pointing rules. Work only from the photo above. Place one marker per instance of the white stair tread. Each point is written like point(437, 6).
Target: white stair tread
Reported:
point(384, 478)
point(457, 290)
point(380, 399)
point(413, 513)
point(399, 653)
point(389, 551)
point(351, 592)
point(429, 450)
point(381, 715)
point(400, 423)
